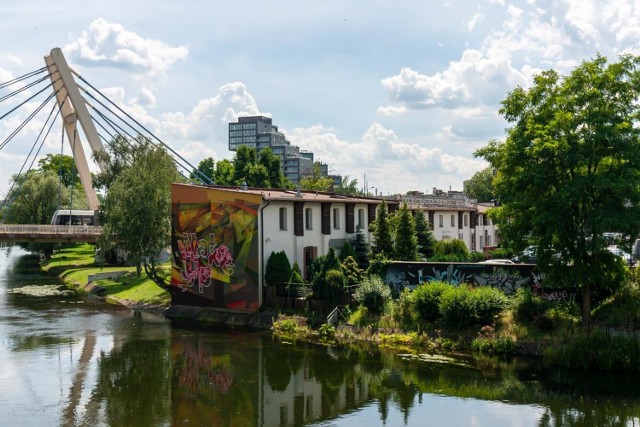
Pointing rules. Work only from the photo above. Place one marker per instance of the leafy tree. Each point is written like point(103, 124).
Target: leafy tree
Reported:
point(224, 173)
point(206, 167)
point(348, 186)
point(119, 155)
point(383, 244)
point(278, 268)
point(373, 293)
point(406, 244)
point(319, 270)
point(63, 166)
point(296, 274)
point(258, 176)
point(480, 186)
point(137, 208)
point(451, 250)
point(569, 170)
point(273, 165)
point(317, 181)
point(34, 199)
point(243, 160)
point(424, 236)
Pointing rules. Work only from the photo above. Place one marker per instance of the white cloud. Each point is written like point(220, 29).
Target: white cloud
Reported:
point(145, 98)
point(475, 20)
point(109, 44)
point(392, 110)
point(473, 80)
point(389, 163)
point(10, 57)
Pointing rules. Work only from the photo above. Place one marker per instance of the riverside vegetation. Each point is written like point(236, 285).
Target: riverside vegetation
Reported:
point(434, 318)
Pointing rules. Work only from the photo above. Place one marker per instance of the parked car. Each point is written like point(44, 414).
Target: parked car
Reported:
point(497, 261)
point(527, 256)
point(617, 251)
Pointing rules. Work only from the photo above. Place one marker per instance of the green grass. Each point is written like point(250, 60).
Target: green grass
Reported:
point(74, 265)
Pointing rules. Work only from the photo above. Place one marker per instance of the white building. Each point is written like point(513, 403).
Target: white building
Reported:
point(452, 215)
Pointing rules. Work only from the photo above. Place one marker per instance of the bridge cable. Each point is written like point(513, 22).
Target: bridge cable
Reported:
point(23, 88)
point(23, 77)
point(24, 102)
point(206, 179)
point(26, 121)
point(60, 168)
point(24, 177)
point(125, 132)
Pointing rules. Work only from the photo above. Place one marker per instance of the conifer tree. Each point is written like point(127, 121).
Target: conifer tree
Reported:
point(426, 241)
point(383, 244)
point(406, 244)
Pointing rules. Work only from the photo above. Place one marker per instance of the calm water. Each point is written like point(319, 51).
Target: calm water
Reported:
point(65, 361)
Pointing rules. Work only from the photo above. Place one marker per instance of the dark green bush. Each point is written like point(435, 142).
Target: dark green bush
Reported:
point(488, 303)
point(457, 307)
point(529, 307)
point(598, 351)
point(373, 293)
point(426, 300)
point(464, 306)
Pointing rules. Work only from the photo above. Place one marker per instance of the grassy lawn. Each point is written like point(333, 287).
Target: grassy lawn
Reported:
point(75, 264)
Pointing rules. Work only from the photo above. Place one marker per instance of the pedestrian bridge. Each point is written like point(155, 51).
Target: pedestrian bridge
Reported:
point(14, 233)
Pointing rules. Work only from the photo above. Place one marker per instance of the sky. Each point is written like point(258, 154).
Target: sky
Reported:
point(396, 94)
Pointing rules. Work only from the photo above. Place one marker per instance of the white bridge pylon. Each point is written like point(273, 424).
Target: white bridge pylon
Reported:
point(73, 109)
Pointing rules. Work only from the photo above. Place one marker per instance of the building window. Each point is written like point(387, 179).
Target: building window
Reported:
point(441, 221)
point(488, 240)
point(481, 242)
point(488, 221)
point(283, 218)
point(361, 218)
point(466, 220)
point(336, 219)
point(308, 219)
point(480, 222)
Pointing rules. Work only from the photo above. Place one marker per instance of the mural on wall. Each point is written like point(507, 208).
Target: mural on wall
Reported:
point(214, 245)
point(507, 278)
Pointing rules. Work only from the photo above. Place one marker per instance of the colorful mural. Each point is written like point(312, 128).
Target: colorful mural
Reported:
point(215, 248)
point(507, 278)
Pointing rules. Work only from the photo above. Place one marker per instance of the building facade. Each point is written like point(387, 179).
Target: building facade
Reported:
point(259, 132)
point(451, 215)
point(222, 238)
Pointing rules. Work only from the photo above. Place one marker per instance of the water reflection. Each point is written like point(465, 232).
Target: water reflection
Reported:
point(65, 361)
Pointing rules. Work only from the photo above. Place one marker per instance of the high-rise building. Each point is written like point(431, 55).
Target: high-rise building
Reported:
point(259, 132)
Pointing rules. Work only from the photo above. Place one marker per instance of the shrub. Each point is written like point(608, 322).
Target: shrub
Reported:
point(528, 307)
point(426, 300)
point(373, 293)
point(403, 311)
point(360, 317)
point(464, 306)
point(335, 282)
point(488, 303)
point(494, 345)
point(278, 268)
point(451, 250)
point(457, 307)
point(598, 351)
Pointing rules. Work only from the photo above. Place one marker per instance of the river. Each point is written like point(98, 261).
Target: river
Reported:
point(69, 361)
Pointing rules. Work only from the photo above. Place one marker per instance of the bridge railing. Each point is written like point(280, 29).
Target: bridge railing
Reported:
point(50, 229)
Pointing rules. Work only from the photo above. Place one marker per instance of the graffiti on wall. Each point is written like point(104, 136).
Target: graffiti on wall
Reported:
point(214, 247)
point(507, 278)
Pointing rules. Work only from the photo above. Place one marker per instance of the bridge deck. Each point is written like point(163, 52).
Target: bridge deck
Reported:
point(48, 233)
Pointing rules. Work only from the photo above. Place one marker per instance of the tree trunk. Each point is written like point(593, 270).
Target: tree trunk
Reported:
point(586, 308)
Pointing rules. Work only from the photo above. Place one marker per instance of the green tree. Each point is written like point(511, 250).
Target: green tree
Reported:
point(278, 268)
point(257, 176)
point(383, 243)
point(34, 198)
point(406, 243)
point(348, 186)
point(451, 250)
point(243, 160)
point(273, 165)
point(359, 243)
point(352, 272)
point(63, 166)
point(569, 170)
point(119, 155)
point(480, 186)
point(224, 173)
point(317, 181)
point(426, 241)
point(206, 167)
point(137, 208)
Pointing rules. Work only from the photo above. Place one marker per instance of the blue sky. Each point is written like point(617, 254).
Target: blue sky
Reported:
point(402, 91)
